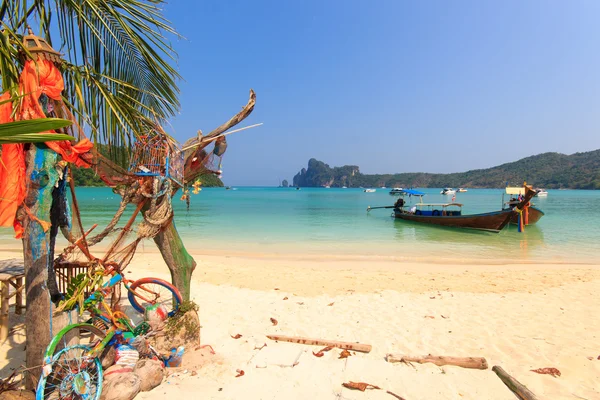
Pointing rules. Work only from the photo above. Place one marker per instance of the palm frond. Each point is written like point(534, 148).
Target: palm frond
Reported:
point(28, 131)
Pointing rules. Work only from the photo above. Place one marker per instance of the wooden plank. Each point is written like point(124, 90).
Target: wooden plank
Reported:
point(19, 299)
point(514, 385)
point(464, 362)
point(320, 342)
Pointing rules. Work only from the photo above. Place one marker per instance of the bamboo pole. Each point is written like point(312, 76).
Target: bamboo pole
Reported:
point(320, 342)
point(514, 385)
point(464, 362)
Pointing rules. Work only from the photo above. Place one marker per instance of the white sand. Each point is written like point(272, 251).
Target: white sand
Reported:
point(520, 317)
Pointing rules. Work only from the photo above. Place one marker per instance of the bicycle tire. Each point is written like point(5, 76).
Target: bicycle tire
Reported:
point(90, 334)
point(62, 381)
point(172, 304)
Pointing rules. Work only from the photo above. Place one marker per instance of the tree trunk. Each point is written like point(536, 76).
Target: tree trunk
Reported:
point(42, 177)
point(179, 261)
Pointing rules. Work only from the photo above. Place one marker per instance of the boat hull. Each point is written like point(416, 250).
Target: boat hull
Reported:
point(491, 222)
point(534, 216)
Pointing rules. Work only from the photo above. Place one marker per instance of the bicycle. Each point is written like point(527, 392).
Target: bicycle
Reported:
point(75, 371)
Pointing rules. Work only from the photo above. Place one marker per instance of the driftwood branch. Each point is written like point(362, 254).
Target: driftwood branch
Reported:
point(514, 385)
point(233, 121)
point(320, 342)
point(464, 362)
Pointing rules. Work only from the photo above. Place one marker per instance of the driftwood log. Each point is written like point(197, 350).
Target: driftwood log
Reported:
point(464, 362)
point(365, 348)
point(514, 385)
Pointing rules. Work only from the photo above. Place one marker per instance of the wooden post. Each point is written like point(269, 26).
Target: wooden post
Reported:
point(42, 177)
point(3, 310)
point(180, 262)
point(514, 385)
point(19, 297)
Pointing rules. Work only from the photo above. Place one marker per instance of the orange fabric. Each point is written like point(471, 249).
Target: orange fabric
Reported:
point(36, 79)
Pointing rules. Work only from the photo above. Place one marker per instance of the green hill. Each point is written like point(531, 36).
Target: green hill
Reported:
point(547, 170)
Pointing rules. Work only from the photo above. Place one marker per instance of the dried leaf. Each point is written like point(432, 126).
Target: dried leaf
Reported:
point(547, 371)
point(300, 302)
point(240, 372)
point(362, 386)
point(276, 288)
point(330, 304)
point(321, 352)
point(432, 297)
point(274, 321)
point(429, 316)
point(443, 317)
point(285, 298)
point(344, 354)
point(237, 336)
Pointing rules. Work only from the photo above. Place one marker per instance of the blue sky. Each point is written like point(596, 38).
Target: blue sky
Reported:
point(390, 85)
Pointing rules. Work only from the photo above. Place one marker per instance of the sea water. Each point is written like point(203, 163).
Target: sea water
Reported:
point(322, 223)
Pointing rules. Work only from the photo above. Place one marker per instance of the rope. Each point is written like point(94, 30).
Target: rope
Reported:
point(160, 211)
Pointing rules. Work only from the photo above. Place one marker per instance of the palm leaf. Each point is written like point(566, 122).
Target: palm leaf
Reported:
point(28, 131)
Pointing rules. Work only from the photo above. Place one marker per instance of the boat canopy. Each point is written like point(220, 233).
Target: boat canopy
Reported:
point(413, 192)
point(515, 190)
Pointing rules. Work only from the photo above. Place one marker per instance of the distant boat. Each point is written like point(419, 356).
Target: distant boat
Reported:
point(541, 193)
point(227, 187)
point(397, 191)
point(297, 188)
point(370, 190)
point(383, 187)
point(450, 215)
point(344, 187)
point(462, 190)
point(448, 191)
point(326, 186)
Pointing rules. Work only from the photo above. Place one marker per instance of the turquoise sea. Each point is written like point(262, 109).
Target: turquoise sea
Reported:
point(321, 223)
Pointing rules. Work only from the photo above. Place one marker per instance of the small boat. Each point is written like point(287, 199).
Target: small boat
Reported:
point(397, 191)
point(448, 191)
point(531, 213)
point(450, 214)
point(227, 187)
point(370, 190)
point(298, 188)
point(327, 187)
point(462, 190)
point(344, 187)
point(541, 193)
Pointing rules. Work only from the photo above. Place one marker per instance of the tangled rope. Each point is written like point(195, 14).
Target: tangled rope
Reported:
point(161, 209)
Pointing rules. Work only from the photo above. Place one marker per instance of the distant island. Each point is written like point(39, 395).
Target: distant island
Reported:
point(547, 170)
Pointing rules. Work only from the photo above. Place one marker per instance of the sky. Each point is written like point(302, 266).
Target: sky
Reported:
point(388, 85)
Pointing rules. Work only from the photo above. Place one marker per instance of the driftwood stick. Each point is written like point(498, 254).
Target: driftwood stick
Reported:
point(514, 385)
point(233, 121)
point(464, 362)
point(320, 342)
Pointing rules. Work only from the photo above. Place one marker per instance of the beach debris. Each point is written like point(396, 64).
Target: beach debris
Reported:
point(464, 362)
point(321, 352)
point(124, 386)
point(194, 373)
point(300, 303)
point(276, 288)
point(237, 336)
point(240, 372)
point(151, 373)
point(258, 346)
point(547, 371)
point(395, 395)
point(344, 354)
point(429, 316)
point(9, 384)
point(514, 385)
point(330, 304)
point(175, 358)
point(274, 321)
point(285, 298)
point(362, 386)
point(320, 342)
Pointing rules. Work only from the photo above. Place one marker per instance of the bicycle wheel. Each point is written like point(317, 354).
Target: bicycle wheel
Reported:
point(83, 334)
point(71, 375)
point(149, 291)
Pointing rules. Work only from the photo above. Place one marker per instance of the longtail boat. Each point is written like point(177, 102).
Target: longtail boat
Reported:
point(450, 214)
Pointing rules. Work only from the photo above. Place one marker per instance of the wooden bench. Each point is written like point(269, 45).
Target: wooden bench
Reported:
point(12, 273)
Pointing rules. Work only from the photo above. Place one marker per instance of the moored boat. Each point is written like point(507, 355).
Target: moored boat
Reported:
point(450, 214)
point(462, 190)
point(541, 193)
point(396, 191)
point(448, 191)
point(370, 190)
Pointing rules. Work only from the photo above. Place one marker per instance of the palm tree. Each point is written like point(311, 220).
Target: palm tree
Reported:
point(119, 81)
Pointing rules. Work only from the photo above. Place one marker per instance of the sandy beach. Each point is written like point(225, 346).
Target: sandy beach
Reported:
point(521, 317)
